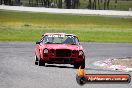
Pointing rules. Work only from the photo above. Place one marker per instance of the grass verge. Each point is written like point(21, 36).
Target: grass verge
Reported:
point(27, 26)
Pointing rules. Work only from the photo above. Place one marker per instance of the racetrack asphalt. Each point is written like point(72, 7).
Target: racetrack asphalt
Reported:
point(17, 68)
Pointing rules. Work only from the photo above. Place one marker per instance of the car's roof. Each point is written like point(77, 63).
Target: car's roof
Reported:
point(58, 34)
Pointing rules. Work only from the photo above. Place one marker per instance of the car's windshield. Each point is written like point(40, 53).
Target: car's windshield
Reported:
point(60, 39)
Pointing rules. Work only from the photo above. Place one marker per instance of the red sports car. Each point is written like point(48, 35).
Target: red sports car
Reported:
point(59, 48)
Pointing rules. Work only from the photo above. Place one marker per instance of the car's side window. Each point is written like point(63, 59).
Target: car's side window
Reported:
point(76, 40)
point(44, 39)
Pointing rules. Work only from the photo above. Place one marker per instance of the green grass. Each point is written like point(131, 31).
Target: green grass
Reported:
point(25, 26)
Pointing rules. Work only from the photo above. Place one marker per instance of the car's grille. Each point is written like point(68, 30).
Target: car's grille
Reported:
point(63, 53)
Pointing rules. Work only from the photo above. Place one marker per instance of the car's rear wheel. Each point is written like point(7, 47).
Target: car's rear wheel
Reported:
point(82, 64)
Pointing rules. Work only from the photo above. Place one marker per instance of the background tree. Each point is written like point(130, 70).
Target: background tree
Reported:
point(43, 2)
point(94, 4)
point(75, 4)
point(60, 4)
point(30, 2)
point(105, 4)
point(108, 2)
point(18, 1)
point(1, 2)
point(99, 4)
point(37, 2)
point(68, 4)
point(7, 2)
point(101, 1)
point(47, 3)
point(89, 4)
point(116, 3)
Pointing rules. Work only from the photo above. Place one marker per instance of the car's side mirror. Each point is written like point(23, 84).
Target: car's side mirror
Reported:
point(37, 42)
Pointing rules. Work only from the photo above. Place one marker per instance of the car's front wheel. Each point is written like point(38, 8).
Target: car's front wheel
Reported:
point(41, 63)
point(82, 64)
point(36, 60)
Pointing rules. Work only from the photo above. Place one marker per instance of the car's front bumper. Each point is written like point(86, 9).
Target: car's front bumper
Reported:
point(61, 60)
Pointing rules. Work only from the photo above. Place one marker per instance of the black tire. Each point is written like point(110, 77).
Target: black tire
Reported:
point(41, 63)
point(36, 63)
point(82, 64)
point(36, 60)
point(76, 65)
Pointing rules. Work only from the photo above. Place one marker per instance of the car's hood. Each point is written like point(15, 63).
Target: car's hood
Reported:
point(62, 46)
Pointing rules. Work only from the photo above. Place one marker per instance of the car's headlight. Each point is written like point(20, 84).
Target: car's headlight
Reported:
point(80, 52)
point(45, 50)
